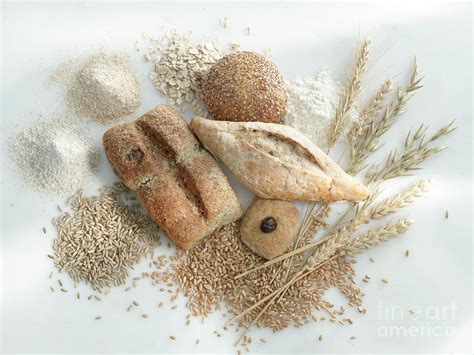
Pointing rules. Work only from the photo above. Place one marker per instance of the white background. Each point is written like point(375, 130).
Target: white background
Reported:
point(303, 37)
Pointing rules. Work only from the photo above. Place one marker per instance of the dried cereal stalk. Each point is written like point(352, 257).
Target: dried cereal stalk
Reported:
point(371, 111)
point(312, 221)
point(376, 236)
point(401, 200)
point(416, 150)
point(337, 239)
point(360, 150)
point(280, 291)
point(352, 89)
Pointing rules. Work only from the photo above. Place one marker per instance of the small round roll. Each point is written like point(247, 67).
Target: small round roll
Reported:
point(245, 86)
point(269, 227)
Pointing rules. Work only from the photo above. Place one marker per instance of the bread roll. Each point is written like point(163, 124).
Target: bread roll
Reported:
point(177, 181)
point(245, 86)
point(277, 162)
point(269, 227)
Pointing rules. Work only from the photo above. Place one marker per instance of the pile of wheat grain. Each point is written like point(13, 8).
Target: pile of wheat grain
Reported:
point(206, 275)
point(103, 237)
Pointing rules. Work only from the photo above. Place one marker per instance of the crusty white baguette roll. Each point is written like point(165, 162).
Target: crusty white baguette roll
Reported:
point(277, 162)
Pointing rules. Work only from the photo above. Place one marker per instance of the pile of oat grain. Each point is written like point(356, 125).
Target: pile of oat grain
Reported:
point(179, 65)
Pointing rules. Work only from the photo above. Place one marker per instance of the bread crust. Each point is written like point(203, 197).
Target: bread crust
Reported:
point(277, 162)
point(177, 181)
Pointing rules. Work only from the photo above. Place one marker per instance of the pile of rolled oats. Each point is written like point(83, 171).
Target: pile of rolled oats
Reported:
point(179, 66)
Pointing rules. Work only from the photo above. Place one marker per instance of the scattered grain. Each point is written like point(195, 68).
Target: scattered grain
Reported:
point(225, 22)
point(234, 46)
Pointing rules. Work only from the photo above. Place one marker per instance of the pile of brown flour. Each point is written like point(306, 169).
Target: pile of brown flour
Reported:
point(101, 87)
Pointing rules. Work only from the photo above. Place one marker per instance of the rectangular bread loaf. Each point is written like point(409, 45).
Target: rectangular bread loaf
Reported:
point(177, 181)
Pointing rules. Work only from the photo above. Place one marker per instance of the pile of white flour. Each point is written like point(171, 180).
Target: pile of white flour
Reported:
point(54, 157)
point(312, 105)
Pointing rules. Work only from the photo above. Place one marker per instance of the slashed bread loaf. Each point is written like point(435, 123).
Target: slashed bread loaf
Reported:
point(177, 181)
point(277, 162)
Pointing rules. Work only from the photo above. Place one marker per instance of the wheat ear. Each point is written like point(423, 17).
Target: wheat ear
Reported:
point(351, 91)
point(418, 147)
point(369, 143)
point(376, 236)
point(395, 203)
point(371, 111)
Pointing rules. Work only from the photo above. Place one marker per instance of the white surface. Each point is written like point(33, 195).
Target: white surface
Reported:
point(304, 37)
